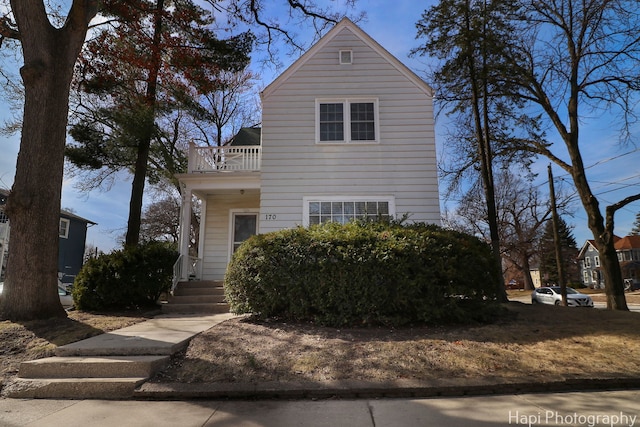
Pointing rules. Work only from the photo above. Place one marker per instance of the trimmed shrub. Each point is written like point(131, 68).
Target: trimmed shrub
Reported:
point(123, 279)
point(364, 273)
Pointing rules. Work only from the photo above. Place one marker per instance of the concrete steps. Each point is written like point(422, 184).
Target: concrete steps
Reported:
point(77, 377)
point(76, 388)
point(201, 297)
point(110, 365)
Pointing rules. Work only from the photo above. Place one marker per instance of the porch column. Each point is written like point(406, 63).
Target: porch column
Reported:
point(185, 230)
point(201, 235)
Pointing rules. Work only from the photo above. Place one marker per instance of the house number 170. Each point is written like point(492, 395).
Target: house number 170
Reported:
point(270, 217)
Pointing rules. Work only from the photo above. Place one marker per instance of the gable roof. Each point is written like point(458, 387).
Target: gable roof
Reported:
point(70, 215)
point(587, 244)
point(4, 194)
point(246, 136)
point(628, 243)
point(346, 23)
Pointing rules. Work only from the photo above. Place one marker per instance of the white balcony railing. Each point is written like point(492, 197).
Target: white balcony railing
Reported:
point(221, 159)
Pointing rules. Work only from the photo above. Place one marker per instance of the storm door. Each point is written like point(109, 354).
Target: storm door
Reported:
point(243, 226)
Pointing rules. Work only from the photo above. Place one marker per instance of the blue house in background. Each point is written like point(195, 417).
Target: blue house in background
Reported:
point(72, 233)
point(73, 236)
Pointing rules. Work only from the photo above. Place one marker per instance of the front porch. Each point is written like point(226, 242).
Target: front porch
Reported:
point(220, 190)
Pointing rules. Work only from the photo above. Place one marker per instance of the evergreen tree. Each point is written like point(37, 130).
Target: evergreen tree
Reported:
point(635, 231)
point(470, 38)
point(152, 61)
point(548, 265)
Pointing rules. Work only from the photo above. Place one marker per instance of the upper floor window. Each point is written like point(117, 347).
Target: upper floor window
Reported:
point(596, 260)
point(345, 57)
point(587, 262)
point(346, 120)
point(64, 228)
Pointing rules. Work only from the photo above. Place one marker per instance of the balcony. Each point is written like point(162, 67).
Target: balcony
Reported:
point(225, 159)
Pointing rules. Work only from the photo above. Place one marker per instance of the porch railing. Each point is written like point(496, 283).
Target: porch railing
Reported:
point(223, 159)
point(193, 273)
point(177, 273)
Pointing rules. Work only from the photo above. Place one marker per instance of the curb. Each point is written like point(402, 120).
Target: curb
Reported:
point(365, 389)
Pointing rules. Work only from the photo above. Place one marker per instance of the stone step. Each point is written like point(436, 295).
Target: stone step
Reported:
point(75, 388)
point(198, 291)
point(196, 299)
point(212, 308)
point(200, 284)
point(93, 367)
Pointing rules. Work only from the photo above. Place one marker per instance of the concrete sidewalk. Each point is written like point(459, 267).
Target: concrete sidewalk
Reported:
point(111, 365)
point(611, 408)
point(162, 335)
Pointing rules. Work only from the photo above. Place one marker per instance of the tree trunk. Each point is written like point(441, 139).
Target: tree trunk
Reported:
point(140, 169)
point(613, 281)
point(603, 238)
point(526, 272)
point(33, 206)
point(137, 194)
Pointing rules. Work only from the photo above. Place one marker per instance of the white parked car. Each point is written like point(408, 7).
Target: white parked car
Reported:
point(552, 295)
point(65, 296)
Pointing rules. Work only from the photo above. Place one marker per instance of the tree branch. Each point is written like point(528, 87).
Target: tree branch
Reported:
point(611, 210)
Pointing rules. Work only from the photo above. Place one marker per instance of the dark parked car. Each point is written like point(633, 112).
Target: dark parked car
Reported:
point(552, 295)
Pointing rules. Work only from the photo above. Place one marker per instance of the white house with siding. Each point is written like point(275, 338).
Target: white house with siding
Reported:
point(347, 131)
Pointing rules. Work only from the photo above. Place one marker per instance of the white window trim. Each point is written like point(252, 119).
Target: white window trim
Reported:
point(232, 213)
point(373, 198)
point(340, 56)
point(64, 235)
point(346, 102)
point(596, 261)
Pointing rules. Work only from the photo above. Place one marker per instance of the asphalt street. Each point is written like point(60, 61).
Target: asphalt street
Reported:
point(526, 298)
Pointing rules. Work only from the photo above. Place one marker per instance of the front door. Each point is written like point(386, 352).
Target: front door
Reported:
point(243, 226)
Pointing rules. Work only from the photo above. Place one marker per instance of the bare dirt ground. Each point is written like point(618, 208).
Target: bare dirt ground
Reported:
point(37, 339)
point(533, 342)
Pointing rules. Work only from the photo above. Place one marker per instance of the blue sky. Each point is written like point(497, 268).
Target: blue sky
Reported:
point(614, 175)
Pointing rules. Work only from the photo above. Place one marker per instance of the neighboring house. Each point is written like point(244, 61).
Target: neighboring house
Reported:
point(72, 232)
point(536, 277)
point(73, 236)
point(347, 132)
point(628, 249)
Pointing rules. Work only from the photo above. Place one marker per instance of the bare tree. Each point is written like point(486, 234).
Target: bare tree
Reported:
point(33, 206)
point(160, 220)
point(577, 59)
point(219, 114)
point(50, 52)
point(522, 212)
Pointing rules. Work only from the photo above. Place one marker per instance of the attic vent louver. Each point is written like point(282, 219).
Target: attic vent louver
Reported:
point(346, 57)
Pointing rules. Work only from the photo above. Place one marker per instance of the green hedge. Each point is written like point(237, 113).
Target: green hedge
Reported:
point(128, 278)
point(364, 273)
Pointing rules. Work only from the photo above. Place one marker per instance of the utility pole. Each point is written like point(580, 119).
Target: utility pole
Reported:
point(556, 239)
